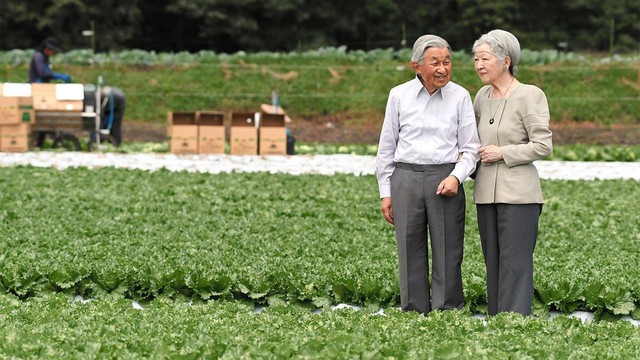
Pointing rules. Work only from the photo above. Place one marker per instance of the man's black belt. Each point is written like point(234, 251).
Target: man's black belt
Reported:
point(420, 167)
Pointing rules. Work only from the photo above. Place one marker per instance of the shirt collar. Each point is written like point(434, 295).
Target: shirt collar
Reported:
point(418, 88)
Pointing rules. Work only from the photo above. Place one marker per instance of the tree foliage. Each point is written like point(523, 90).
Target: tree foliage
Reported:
point(285, 25)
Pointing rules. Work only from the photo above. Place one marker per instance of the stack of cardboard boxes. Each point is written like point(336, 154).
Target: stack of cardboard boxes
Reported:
point(58, 97)
point(199, 132)
point(16, 117)
point(273, 131)
point(183, 132)
point(211, 132)
point(19, 104)
point(58, 106)
point(203, 132)
point(273, 134)
point(243, 134)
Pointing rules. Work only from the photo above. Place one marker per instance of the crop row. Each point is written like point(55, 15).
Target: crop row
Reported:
point(54, 326)
point(333, 54)
point(271, 238)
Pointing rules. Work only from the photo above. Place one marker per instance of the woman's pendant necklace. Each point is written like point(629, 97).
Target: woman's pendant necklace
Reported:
point(492, 120)
point(493, 117)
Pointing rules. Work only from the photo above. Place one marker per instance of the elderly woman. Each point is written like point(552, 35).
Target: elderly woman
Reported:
point(513, 126)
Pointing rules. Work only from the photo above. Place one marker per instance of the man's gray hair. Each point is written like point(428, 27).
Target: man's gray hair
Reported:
point(502, 44)
point(423, 43)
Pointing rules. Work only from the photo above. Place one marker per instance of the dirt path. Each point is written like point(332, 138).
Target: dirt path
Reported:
point(332, 129)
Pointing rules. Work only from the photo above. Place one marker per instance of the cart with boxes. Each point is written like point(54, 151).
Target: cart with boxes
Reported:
point(59, 111)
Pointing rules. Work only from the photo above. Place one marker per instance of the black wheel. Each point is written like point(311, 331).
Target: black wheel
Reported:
point(66, 141)
point(104, 140)
point(41, 136)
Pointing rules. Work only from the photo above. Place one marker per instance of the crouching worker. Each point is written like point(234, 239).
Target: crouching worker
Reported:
point(112, 111)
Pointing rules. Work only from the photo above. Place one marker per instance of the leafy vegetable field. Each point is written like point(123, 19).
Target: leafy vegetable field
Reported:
point(51, 326)
point(296, 243)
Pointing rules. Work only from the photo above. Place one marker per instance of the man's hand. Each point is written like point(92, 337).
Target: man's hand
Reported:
point(448, 186)
point(387, 211)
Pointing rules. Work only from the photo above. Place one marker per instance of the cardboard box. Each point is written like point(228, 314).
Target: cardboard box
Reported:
point(55, 115)
point(44, 96)
point(270, 109)
point(243, 134)
point(15, 90)
point(57, 97)
point(15, 137)
point(273, 134)
point(16, 110)
point(211, 132)
point(183, 132)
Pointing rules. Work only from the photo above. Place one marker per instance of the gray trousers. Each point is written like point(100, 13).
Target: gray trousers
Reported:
point(418, 210)
point(508, 235)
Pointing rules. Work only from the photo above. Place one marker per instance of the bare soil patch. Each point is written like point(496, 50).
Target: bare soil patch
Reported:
point(591, 133)
point(342, 129)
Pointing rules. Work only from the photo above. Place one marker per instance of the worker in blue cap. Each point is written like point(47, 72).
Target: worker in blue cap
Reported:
point(39, 67)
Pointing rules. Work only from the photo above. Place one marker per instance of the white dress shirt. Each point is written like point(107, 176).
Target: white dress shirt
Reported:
point(420, 128)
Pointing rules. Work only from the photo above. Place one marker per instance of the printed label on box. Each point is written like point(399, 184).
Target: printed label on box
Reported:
point(15, 137)
point(273, 141)
point(184, 139)
point(244, 141)
point(211, 139)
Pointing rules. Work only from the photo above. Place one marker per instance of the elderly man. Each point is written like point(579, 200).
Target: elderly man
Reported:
point(428, 146)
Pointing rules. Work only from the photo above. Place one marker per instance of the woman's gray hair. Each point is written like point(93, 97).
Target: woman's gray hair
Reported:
point(423, 43)
point(502, 44)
